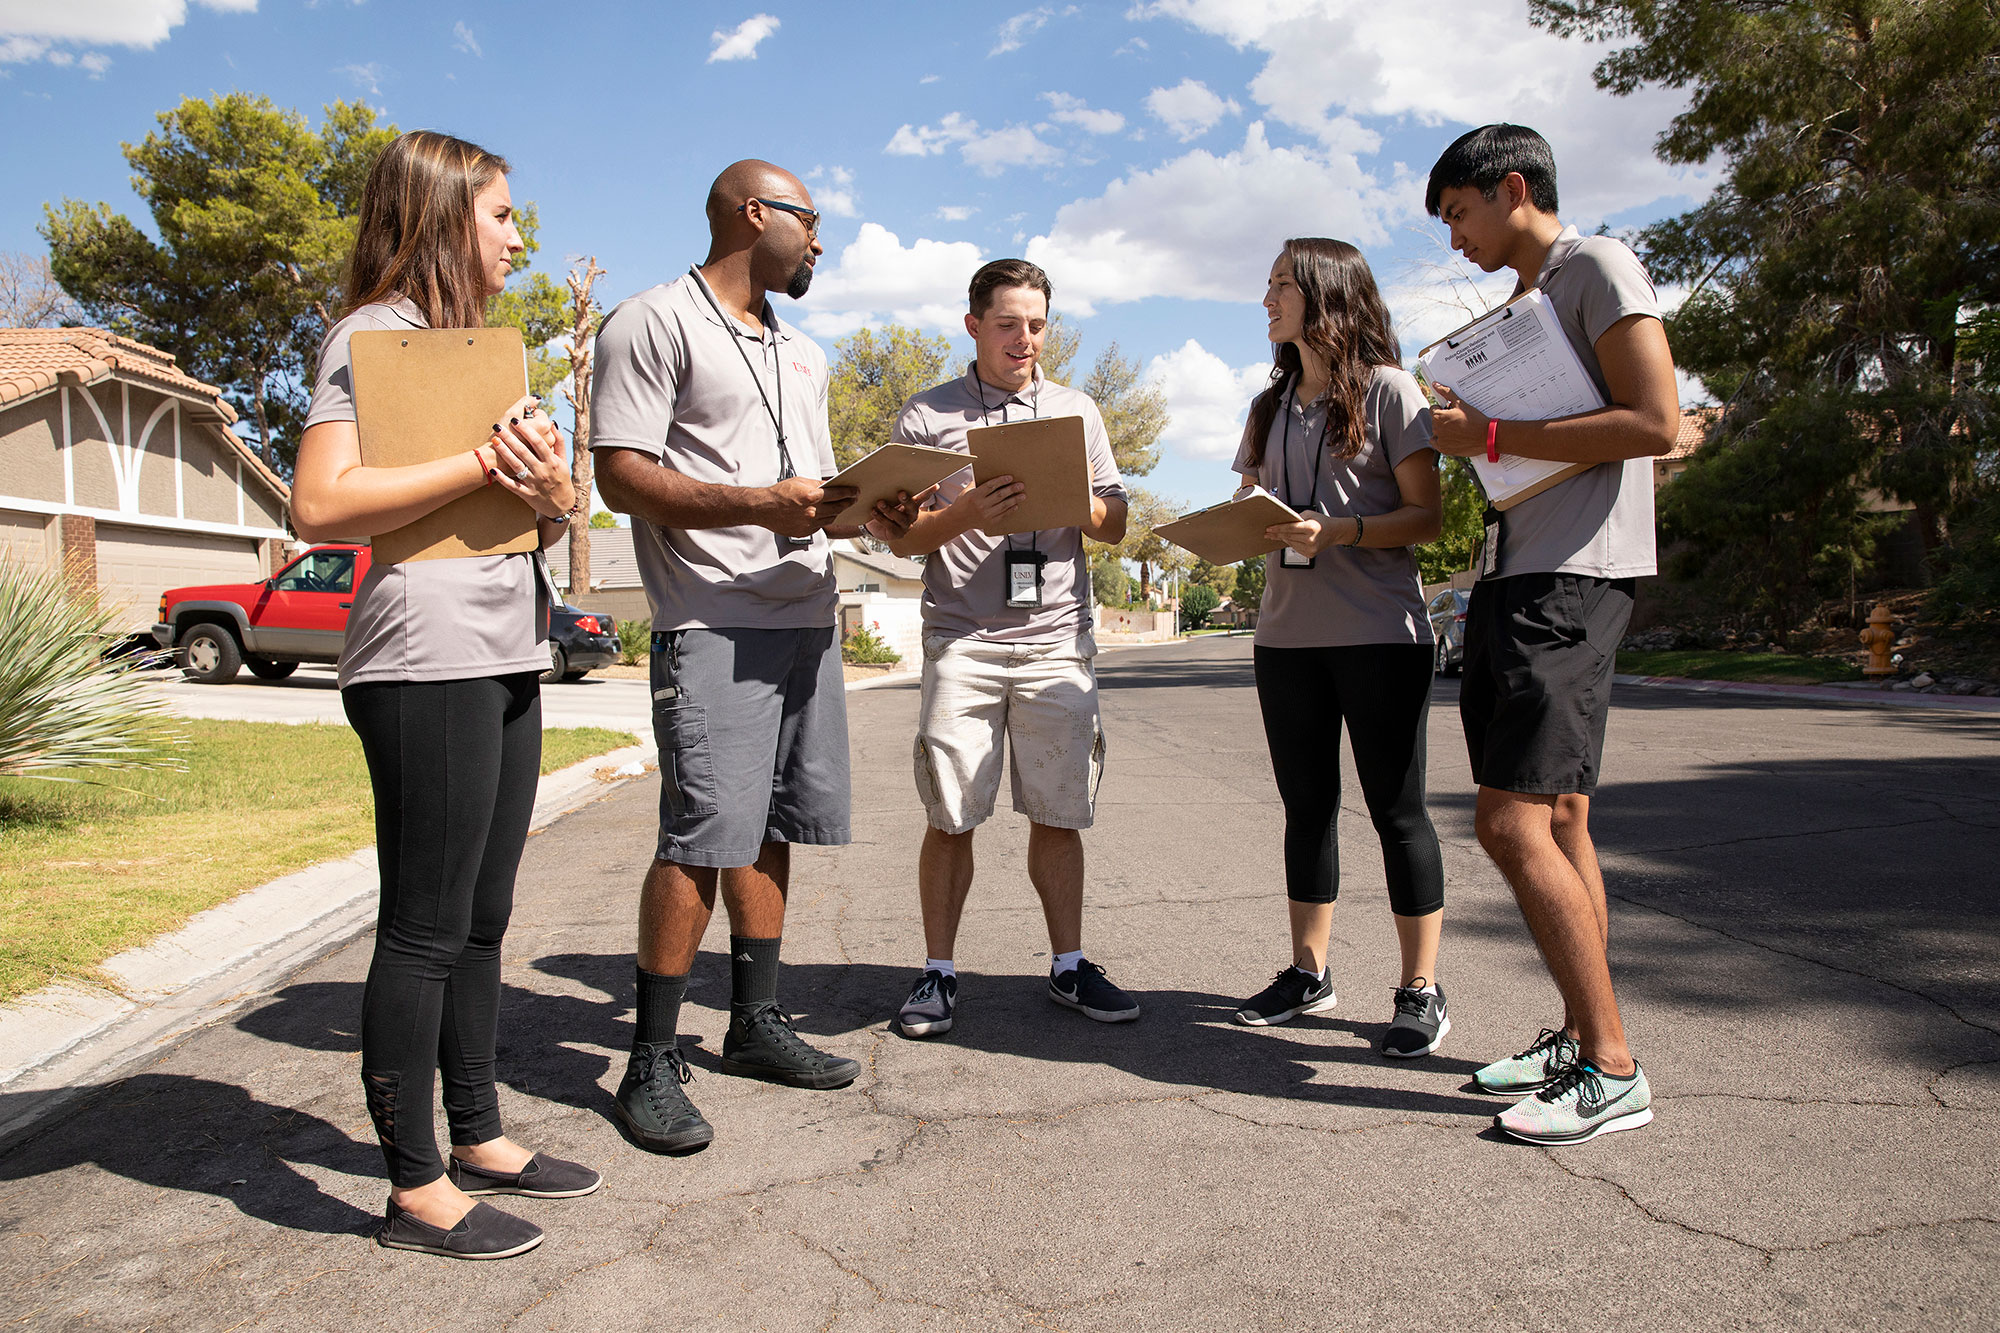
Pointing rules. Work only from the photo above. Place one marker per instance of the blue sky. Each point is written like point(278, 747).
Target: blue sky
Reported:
point(1150, 155)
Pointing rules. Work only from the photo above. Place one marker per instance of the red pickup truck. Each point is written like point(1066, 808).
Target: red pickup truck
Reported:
point(299, 615)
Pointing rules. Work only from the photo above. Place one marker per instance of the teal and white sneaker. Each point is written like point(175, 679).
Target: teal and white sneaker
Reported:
point(1580, 1103)
point(1532, 1069)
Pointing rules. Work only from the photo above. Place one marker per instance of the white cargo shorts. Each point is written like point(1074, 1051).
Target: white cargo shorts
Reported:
point(1042, 697)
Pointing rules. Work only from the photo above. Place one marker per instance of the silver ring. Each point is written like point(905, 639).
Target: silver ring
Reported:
point(523, 475)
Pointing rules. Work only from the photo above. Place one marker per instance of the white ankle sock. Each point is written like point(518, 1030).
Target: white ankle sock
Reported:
point(1316, 976)
point(1064, 962)
point(940, 965)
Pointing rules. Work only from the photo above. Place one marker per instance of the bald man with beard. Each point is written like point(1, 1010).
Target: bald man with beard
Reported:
point(709, 428)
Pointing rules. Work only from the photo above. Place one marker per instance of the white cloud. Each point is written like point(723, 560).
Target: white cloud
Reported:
point(1390, 67)
point(955, 212)
point(913, 141)
point(1189, 109)
point(465, 40)
point(930, 78)
point(837, 197)
point(740, 43)
point(990, 151)
point(37, 30)
point(1023, 26)
point(368, 77)
point(1015, 146)
point(877, 278)
point(1207, 402)
point(1205, 227)
point(1070, 110)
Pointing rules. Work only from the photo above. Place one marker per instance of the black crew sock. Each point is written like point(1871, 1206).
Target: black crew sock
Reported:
point(753, 972)
point(659, 1008)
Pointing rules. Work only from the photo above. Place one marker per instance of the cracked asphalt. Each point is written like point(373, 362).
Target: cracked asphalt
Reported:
point(1804, 925)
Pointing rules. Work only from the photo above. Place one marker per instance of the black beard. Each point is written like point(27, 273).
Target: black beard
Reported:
point(802, 278)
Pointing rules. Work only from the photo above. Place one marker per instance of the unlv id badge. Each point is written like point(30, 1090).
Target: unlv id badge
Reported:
point(1024, 577)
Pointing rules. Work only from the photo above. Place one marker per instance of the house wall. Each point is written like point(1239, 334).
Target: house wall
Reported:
point(31, 445)
point(898, 621)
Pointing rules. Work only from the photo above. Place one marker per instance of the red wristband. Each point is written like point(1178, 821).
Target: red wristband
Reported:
point(1492, 440)
point(485, 472)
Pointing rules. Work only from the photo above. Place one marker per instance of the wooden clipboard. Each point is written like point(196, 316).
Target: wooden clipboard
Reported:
point(913, 468)
point(1049, 457)
point(1233, 531)
point(425, 394)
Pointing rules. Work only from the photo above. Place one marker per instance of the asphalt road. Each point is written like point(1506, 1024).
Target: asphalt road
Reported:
point(1804, 932)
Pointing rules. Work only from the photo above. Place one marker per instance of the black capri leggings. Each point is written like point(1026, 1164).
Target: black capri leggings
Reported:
point(1383, 693)
point(454, 765)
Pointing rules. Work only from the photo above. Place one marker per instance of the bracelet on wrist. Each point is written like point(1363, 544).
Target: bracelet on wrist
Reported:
point(1358, 527)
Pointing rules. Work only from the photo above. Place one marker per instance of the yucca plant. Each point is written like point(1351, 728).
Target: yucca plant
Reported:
point(63, 707)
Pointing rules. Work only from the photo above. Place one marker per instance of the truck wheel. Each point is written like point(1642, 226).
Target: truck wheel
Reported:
point(263, 668)
point(558, 664)
point(209, 654)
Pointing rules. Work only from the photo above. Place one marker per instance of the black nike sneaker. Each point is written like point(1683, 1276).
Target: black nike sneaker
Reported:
point(1291, 993)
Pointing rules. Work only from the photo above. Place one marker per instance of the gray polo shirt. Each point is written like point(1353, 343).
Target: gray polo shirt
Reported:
point(1598, 522)
point(965, 580)
point(482, 615)
point(669, 383)
point(1351, 595)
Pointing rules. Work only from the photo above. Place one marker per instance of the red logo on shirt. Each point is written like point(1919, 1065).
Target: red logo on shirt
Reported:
point(802, 369)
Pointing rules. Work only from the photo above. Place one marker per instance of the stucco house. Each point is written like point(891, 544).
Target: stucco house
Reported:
point(121, 468)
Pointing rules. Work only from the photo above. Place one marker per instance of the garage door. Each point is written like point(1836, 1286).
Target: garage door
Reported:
point(24, 538)
point(136, 565)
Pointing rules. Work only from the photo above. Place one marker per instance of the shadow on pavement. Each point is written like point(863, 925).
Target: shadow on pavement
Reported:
point(197, 1135)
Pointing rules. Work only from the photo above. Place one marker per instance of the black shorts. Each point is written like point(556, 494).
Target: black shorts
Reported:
point(1539, 653)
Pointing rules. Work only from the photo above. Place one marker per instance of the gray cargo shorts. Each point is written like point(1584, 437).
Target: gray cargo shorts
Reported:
point(752, 729)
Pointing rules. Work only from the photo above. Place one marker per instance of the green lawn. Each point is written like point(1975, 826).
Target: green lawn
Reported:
point(87, 871)
point(1760, 668)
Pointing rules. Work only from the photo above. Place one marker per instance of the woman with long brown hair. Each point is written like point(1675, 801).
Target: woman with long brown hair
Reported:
point(439, 678)
point(1342, 435)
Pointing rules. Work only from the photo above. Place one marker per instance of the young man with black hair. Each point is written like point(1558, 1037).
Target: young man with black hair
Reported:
point(1007, 653)
point(1545, 620)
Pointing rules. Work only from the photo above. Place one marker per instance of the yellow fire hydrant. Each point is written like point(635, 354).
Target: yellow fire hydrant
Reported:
point(1878, 638)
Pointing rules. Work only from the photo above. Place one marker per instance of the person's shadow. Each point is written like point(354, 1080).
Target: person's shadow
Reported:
point(178, 1132)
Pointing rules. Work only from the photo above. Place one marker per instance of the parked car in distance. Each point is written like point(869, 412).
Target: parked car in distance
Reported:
point(579, 640)
point(297, 615)
point(1447, 614)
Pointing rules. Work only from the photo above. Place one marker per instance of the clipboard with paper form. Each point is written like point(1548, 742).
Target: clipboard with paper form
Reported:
point(425, 394)
point(1233, 531)
point(1515, 364)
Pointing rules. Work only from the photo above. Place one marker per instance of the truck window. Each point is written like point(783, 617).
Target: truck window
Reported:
point(320, 571)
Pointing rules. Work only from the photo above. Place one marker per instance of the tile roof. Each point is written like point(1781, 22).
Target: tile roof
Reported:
point(1695, 424)
point(612, 563)
point(882, 562)
point(34, 360)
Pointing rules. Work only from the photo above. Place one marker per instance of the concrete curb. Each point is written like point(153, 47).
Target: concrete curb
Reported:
point(67, 1037)
point(1863, 695)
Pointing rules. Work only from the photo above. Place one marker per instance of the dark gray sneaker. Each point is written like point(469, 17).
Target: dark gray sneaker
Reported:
point(1291, 993)
point(653, 1107)
point(1086, 988)
point(483, 1233)
point(762, 1044)
point(544, 1177)
point(927, 1013)
point(1419, 1025)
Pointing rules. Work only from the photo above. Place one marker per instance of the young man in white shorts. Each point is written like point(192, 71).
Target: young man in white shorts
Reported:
point(1007, 653)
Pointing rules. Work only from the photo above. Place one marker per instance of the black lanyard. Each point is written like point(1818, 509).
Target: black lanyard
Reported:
point(785, 469)
point(1285, 454)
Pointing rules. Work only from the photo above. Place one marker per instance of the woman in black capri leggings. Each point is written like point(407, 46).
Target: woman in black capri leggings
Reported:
point(1342, 435)
point(439, 678)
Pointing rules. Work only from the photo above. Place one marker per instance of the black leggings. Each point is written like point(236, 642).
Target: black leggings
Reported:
point(1383, 693)
point(454, 765)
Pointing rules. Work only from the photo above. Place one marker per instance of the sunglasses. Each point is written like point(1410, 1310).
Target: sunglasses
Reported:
point(805, 215)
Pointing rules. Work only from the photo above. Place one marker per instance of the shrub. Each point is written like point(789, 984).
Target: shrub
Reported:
point(635, 640)
point(866, 647)
point(1197, 600)
point(62, 706)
